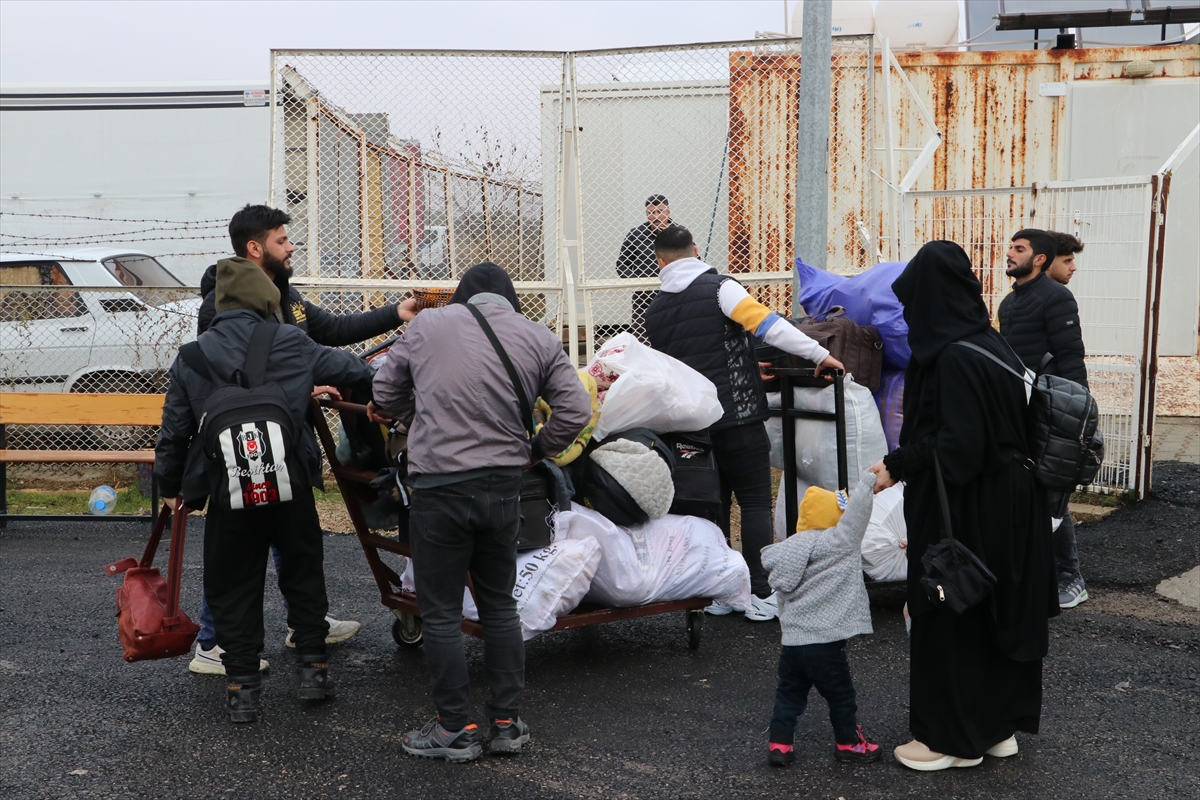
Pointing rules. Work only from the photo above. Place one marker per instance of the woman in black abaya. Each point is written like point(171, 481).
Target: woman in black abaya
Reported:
point(976, 679)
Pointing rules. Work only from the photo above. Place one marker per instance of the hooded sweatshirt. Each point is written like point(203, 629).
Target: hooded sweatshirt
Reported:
point(242, 284)
point(817, 575)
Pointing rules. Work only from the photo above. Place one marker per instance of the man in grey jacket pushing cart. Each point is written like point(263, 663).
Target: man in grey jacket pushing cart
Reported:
point(459, 378)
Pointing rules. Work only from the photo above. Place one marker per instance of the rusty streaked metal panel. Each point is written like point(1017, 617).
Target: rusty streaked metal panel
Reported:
point(763, 107)
point(998, 131)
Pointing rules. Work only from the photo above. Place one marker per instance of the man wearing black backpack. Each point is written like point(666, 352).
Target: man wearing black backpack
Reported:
point(235, 435)
point(1038, 318)
point(259, 234)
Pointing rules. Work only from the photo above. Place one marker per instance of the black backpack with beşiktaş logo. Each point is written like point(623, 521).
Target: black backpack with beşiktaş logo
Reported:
point(250, 443)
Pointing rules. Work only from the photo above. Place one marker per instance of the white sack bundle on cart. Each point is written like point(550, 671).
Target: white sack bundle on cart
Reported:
point(550, 583)
point(640, 387)
point(673, 558)
point(816, 439)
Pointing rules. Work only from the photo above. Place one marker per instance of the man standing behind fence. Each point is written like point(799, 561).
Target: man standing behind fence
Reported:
point(637, 258)
point(709, 322)
point(459, 378)
point(1038, 318)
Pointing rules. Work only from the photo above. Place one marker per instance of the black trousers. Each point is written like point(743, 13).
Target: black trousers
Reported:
point(469, 526)
point(802, 667)
point(743, 455)
point(236, 546)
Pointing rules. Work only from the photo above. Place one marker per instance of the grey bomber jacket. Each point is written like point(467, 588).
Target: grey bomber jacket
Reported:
point(443, 379)
point(818, 576)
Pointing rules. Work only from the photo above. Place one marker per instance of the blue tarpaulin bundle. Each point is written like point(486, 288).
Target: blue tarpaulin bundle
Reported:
point(868, 300)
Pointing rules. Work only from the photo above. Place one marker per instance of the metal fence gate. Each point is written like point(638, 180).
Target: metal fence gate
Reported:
point(1121, 222)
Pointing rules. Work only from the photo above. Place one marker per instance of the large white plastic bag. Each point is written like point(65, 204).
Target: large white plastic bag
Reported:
point(885, 546)
point(551, 582)
point(653, 391)
point(816, 439)
point(673, 558)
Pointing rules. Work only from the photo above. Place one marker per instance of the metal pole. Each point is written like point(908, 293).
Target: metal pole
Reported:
point(812, 145)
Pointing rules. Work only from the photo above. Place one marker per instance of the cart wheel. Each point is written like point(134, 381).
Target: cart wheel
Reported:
point(695, 625)
point(406, 630)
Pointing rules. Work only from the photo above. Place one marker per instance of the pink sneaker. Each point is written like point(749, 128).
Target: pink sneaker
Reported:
point(861, 752)
point(780, 755)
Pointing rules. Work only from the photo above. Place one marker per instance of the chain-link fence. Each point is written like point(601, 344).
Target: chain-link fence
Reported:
point(409, 167)
point(1116, 220)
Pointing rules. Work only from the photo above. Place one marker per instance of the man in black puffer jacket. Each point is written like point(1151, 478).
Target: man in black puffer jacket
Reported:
point(1041, 317)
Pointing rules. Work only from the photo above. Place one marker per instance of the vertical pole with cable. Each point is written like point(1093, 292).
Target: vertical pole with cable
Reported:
point(812, 145)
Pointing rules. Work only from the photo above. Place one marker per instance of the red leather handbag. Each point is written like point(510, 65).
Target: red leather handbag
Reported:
point(149, 620)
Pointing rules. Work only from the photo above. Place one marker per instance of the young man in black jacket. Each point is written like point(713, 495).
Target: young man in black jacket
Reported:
point(1041, 317)
point(636, 259)
point(259, 235)
point(236, 539)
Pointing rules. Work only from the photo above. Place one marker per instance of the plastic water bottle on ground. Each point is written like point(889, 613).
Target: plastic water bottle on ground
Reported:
point(102, 501)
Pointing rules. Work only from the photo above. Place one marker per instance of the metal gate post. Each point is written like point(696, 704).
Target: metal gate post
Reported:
point(567, 198)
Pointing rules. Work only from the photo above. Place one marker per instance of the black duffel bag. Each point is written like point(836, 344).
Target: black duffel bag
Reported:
point(697, 483)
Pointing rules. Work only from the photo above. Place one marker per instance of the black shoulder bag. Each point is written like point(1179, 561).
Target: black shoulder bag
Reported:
point(955, 579)
point(526, 409)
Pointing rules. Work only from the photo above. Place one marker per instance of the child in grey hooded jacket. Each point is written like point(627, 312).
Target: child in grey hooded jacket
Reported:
point(817, 574)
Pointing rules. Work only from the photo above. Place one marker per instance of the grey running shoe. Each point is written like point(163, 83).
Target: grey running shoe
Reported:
point(434, 741)
point(1072, 592)
point(508, 735)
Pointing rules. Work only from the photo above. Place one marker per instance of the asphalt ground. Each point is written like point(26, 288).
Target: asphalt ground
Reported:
point(623, 710)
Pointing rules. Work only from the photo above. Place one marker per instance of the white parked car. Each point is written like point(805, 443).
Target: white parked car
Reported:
point(120, 337)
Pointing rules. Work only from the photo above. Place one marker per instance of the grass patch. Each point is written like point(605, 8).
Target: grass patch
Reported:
point(34, 501)
point(1106, 500)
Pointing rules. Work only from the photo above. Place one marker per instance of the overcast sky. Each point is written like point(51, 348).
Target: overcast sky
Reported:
point(168, 40)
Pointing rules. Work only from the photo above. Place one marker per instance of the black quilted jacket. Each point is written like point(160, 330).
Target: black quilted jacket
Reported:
point(1040, 317)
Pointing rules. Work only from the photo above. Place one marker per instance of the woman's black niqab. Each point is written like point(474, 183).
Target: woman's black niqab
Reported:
point(486, 277)
point(942, 299)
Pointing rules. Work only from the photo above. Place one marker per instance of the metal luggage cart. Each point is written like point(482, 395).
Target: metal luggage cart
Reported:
point(406, 629)
point(789, 413)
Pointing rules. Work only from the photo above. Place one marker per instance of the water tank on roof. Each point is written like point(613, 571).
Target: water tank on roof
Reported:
point(908, 23)
point(849, 16)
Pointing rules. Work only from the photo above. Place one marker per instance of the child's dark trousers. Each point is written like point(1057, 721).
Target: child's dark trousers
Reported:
point(802, 667)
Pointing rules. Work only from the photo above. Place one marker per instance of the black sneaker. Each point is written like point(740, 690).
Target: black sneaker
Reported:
point(508, 735)
point(780, 755)
point(434, 741)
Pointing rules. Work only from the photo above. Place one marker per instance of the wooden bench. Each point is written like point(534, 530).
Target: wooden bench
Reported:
point(51, 409)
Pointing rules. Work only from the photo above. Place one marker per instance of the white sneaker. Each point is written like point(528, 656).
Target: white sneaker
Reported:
point(208, 662)
point(763, 609)
point(718, 609)
point(1004, 749)
point(339, 631)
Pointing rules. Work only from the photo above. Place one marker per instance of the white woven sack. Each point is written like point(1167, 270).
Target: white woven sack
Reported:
point(673, 558)
point(885, 545)
point(550, 583)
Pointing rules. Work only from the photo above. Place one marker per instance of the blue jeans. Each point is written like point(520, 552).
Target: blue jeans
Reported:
point(208, 633)
point(802, 667)
point(469, 526)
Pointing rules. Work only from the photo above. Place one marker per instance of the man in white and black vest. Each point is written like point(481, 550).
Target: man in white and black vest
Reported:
point(256, 476)
point(711, 323)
